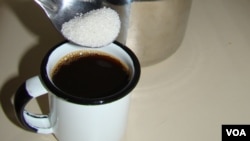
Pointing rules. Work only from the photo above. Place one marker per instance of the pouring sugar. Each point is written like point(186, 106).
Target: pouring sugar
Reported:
point(96, 28)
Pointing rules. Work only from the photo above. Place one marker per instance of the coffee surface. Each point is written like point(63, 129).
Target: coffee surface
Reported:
point(91, 75)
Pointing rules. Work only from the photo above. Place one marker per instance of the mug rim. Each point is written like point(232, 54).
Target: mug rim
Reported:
point(90, 101)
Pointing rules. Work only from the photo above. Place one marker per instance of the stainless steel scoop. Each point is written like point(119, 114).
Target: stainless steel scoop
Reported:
point(61, 11)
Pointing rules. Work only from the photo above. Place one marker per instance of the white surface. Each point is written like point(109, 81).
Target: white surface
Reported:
point(205, 84)
point(97, 120)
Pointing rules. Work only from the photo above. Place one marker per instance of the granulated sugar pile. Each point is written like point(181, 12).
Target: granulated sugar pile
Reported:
point(96, 28)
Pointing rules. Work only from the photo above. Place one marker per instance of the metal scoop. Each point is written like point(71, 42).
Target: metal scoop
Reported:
point(61, 11)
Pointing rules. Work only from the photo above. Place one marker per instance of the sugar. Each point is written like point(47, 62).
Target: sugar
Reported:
point(96, 28)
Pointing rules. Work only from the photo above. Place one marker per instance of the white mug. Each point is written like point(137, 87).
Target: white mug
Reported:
point(73, 118)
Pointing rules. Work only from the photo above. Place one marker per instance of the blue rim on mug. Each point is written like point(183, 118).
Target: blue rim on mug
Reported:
point(92, 101)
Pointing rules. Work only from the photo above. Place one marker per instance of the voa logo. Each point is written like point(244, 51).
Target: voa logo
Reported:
point(236, 132)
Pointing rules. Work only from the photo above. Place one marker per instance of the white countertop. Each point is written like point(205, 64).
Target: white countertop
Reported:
point(205, 84)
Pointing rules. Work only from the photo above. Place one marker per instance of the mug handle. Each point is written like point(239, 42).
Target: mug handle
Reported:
point(31, 89)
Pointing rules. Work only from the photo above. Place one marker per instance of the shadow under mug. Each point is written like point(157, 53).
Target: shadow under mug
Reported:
point(77, 118)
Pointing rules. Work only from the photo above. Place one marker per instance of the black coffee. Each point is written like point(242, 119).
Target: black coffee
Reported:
point(90, 75)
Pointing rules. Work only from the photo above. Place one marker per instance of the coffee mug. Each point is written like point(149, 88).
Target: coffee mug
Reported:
point(88, 99)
